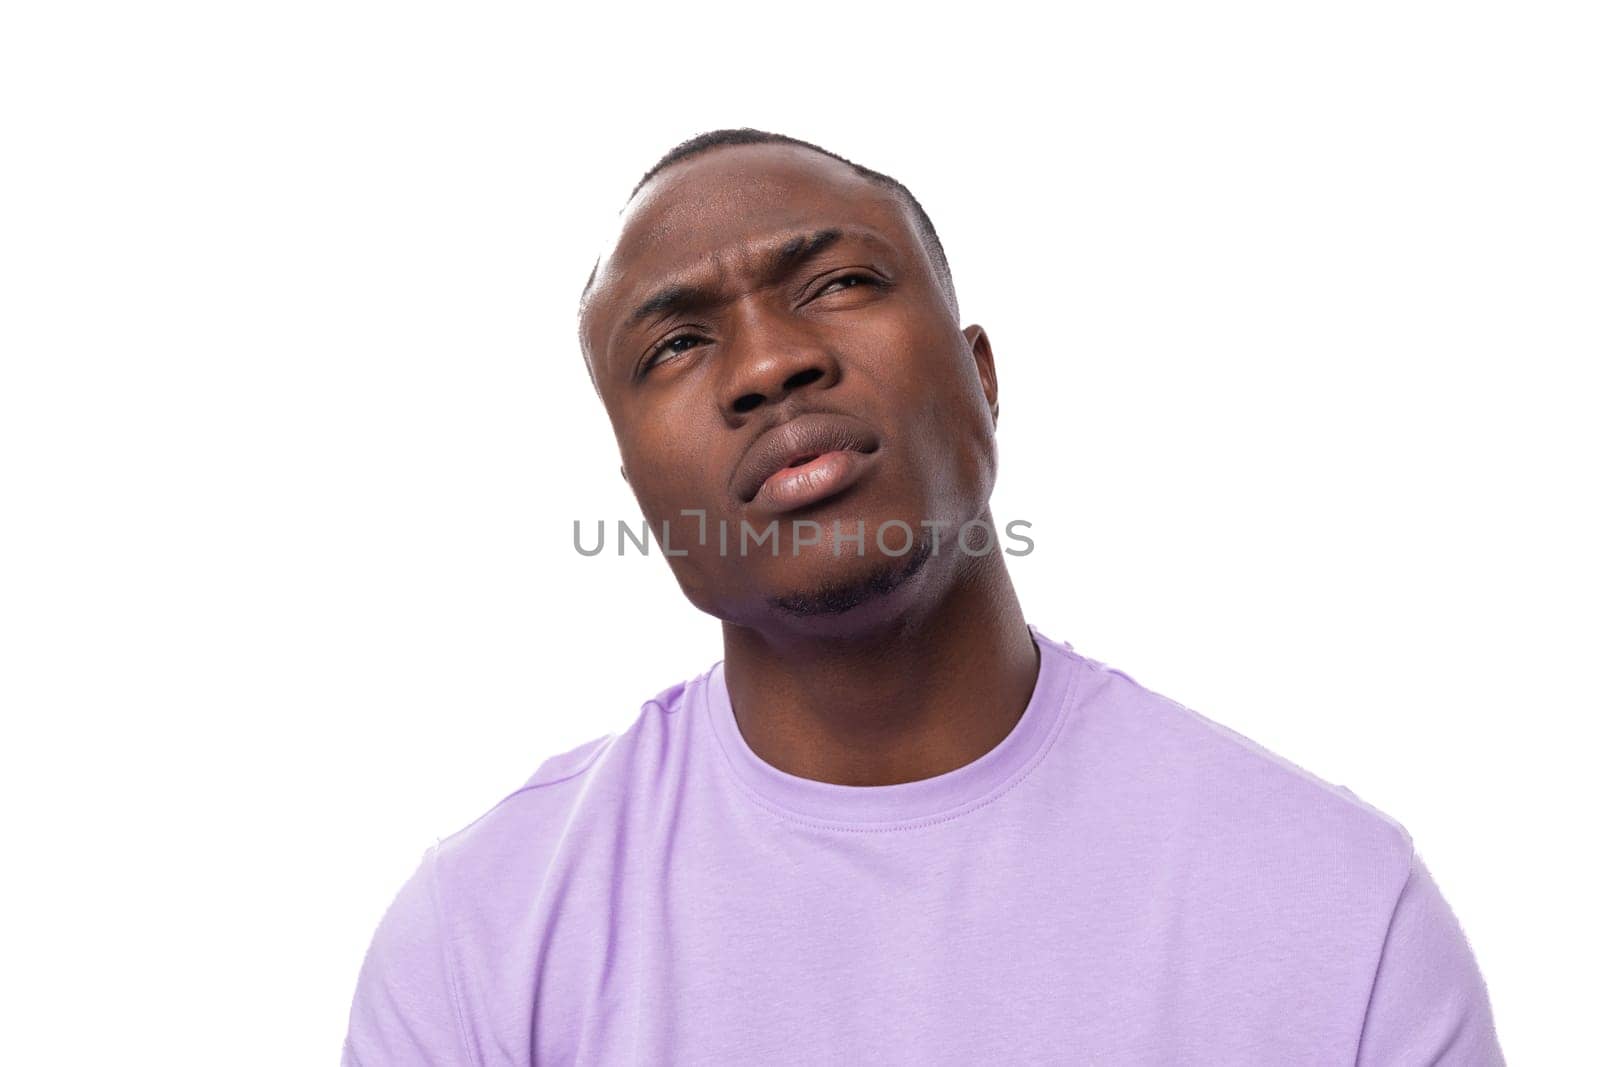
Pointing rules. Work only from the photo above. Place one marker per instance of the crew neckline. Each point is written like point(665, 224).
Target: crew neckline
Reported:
point(881, 807)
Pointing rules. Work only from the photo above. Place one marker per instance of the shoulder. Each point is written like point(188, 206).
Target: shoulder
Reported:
point(570, 794)
point(480, 894)
point(1226, 793)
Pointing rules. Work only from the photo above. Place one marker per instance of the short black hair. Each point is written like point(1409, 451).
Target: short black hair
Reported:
point(746, 135)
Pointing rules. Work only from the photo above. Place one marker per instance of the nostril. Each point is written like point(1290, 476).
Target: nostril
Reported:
point(805, 377)
point(748, 402)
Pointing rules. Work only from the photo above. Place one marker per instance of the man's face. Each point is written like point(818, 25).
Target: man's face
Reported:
point(749, 362)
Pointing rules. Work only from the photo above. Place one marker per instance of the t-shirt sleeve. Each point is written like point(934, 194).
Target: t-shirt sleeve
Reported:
point(1429, 1004)
point(405, 1006)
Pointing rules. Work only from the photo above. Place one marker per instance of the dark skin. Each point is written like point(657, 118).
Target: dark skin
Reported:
point(908, 669)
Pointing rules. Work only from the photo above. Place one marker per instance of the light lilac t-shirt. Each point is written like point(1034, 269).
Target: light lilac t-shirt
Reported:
point(1119, 881)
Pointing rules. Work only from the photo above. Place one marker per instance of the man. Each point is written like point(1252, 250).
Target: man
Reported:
point(895, 823)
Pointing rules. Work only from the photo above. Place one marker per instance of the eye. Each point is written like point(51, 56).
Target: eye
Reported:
point(672, 346)
point(850, 281)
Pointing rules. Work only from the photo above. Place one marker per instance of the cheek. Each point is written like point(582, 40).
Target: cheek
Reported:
point(946, 417)
point(661, 492)
point(651, 474)
point(965, 446)
point(672, 471)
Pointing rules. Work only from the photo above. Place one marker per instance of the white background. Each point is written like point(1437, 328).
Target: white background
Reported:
point(1294, 309)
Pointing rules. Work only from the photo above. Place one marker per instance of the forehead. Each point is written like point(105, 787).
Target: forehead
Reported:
point(716, 213)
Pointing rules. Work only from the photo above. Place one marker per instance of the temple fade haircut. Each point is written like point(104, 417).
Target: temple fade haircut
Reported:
point(704, 142)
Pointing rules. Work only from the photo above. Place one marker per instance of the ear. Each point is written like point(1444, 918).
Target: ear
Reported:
point(983, 356)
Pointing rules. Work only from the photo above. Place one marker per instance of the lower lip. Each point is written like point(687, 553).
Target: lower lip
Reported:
point(813, 481)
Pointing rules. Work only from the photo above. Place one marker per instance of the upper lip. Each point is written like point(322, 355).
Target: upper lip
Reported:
point(801, 437)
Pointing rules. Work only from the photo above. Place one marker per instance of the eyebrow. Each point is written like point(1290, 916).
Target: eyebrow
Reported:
point(780, 262)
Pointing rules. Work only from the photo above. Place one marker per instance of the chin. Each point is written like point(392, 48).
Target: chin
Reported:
point(820, 585)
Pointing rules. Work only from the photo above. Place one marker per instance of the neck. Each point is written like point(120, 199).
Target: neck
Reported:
point(925, 692)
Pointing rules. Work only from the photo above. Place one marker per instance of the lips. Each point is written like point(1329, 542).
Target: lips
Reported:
point(804, 460)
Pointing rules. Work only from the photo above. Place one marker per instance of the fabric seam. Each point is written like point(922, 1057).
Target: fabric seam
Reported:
point(436, 894)
point(1383, 949)
point(601, 744)
point(1260, 753)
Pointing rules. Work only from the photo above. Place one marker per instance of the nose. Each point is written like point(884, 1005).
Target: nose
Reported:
point(769, 362)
